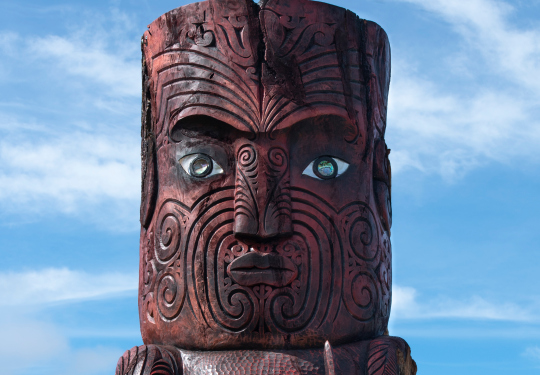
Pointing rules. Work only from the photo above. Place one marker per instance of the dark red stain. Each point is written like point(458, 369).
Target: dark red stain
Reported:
point(251, 268)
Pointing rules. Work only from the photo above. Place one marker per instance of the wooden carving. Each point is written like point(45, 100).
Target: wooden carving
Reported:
point(266, 207)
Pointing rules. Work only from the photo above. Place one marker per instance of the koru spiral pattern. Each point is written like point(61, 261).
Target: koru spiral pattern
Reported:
point(261, 253)
point(193, 250)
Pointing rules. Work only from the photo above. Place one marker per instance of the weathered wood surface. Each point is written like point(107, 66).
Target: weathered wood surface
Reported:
point(266, 207)
point(382, 356)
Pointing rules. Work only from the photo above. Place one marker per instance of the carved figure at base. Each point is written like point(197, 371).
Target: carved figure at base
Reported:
point(266, 211)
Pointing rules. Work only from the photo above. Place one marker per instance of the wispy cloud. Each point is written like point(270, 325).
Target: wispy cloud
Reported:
point(485, 25)
point(69, 141)
point(35, 346)
point(55, 285)
point(406, 305)
point(444, 133)
point(100, 51)
point(69, 170)
point(91, 175)
point(532, 353)
point(29, 343)
point(117, 72)
point(491, 116)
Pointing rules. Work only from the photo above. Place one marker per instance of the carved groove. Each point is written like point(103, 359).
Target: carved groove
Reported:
point(381, 359)
point(296, 41)
point(242, 257)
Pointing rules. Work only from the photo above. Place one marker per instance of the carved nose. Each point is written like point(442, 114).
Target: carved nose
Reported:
point(262, 198)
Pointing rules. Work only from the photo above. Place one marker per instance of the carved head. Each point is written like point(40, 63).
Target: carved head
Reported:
point(266, 184)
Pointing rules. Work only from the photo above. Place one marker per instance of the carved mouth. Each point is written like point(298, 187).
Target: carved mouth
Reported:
point(257, 268)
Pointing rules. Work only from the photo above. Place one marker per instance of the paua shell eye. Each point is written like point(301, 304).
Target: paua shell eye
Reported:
point(326, 168)
point(200, 165)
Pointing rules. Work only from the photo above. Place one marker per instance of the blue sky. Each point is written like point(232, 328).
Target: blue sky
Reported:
point(464, 131)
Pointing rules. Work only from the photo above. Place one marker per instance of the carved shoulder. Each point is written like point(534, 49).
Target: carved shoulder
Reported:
point(390, 356)
point(150, 360)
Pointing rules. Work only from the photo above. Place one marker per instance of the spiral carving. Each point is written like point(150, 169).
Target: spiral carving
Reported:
point(363, 236)
point(247, 156)
point(361, 294)
point(168, 232)
point(278, 207)
point(324, 35)
point(231, 307)
point(278, 159)
point(171, 294)
point(149, 270)
point(332, 266)
point(239, 303)
point(149, 306)
point(290, 309)
point(245, 202)
point(337, 258)
point(314, 296)
point(204, 38)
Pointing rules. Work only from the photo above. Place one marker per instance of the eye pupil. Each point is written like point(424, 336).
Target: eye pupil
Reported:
point(201, 166)
point(325, 167)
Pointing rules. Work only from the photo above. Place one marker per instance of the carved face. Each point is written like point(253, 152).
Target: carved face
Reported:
point(266, 202)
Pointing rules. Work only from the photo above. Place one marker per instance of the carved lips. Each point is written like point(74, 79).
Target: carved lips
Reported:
point(258, 268)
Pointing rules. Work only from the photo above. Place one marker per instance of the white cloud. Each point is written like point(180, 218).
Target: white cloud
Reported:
point(31, 344)
point(101, 50)
point(448, 134)
point(118, 72)
point(100, 56)
point(61, 285)
point(27, 343)
point(76, 149)
point(435, 127)
point(34, 346)
point(8, 42)
point(484, 25)
point(405, 305)
point(69, 171)
point(532, 353)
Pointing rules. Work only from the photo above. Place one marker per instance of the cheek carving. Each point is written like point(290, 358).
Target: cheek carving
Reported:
point(262, 199)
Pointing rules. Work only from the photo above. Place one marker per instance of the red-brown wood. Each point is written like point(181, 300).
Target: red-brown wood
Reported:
point(261, 258)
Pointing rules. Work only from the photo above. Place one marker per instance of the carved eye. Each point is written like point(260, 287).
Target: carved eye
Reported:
point(326, 168)
point(200, 165)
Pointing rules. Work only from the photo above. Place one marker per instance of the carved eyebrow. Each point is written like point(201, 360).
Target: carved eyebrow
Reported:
point(339, 122)
point(201, 126)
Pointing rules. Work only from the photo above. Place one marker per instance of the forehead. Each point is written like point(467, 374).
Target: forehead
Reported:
point(258, 70)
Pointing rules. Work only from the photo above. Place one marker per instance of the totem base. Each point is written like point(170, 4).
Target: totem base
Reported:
point(384, 355)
